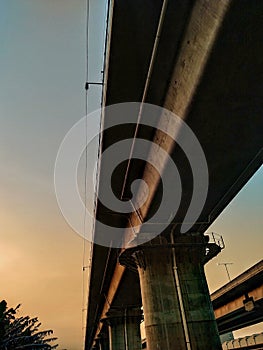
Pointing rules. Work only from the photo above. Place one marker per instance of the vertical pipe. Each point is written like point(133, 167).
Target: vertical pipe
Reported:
point(180, 299)
point(125, 330)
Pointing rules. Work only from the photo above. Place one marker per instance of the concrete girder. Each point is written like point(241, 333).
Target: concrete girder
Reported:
point(240, 58)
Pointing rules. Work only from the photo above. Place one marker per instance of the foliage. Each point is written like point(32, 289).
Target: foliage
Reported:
point(22, 332)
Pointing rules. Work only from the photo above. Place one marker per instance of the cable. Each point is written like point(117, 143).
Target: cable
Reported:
point(85, 171)
point(87, 86)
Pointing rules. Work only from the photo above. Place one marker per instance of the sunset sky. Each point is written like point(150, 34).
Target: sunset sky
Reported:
point(42, 69)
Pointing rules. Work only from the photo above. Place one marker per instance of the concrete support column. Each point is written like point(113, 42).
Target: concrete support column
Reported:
point(104, 339)
point(162, 317)
point(178, 312)
point(202, 328)
point(96, 345)
point(124, 328)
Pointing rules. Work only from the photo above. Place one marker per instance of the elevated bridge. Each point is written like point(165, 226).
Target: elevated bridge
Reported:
point(254, 341)
point(201, 60)
point(239, 303)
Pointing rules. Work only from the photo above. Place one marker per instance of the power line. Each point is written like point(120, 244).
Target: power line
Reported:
point(89, 83)
point(85, 168)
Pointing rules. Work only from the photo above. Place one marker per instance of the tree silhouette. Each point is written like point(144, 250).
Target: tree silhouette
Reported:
point(22, 332)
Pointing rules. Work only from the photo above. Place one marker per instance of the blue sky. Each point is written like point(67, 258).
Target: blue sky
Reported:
point(43, 63)
point(43, 68)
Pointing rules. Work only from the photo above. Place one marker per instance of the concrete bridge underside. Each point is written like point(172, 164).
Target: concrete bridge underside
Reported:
point(239, 303)
point(208, 71)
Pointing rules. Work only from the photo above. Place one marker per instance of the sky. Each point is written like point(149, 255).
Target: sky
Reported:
point(42, 69)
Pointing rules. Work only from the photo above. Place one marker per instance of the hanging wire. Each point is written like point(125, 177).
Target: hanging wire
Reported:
point(103, 93)
point(87, 85)
point(85, 172)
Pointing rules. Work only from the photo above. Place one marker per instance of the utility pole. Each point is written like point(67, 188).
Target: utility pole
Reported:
point(225, 264)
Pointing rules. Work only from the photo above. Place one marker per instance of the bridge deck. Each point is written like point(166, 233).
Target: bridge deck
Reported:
point(225, 110)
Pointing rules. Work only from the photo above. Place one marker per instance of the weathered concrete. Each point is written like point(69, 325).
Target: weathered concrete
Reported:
point(103, 340)
point(124, 328)
point(162, 317)
point(177, 308)
point(201, 323)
